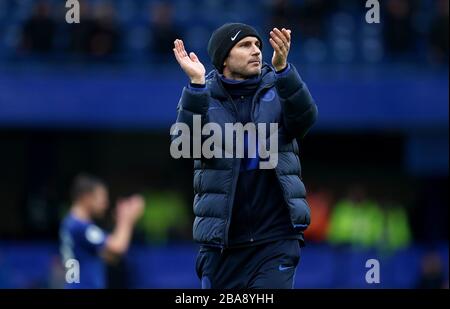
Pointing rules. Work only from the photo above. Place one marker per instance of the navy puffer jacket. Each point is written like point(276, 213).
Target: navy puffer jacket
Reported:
point(280, 98)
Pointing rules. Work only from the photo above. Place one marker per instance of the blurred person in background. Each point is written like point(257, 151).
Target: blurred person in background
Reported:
point(163, 31)
point(104, 40)
point(312, 17)
point(81, 34)
point(83, 240)
point(356, 220)
point(39, 29)
point(320, 201)
point(397, 230)
point(400, 36)
point(439, 33)
point(167, 219)
point(283, 13)
point(249, 221)
point(432, 273)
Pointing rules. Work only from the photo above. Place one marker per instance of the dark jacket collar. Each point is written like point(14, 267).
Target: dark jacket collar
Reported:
point(217, 90)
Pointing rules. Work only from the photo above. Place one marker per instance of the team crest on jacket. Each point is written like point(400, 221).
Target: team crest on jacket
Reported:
point(268, 96)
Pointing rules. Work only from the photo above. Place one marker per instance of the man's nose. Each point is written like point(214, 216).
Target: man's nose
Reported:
point(256, 51)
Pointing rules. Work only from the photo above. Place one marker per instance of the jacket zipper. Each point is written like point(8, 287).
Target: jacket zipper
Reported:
point(276, 172)
point(235, 179)
point(233, 188)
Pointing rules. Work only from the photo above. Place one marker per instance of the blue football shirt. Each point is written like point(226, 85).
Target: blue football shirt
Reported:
point(83, 241)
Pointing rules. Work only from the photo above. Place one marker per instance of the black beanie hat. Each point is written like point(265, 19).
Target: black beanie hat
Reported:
point(223, 40)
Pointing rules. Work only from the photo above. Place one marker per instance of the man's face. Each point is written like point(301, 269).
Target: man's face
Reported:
point(98, 201)
point(244, 59)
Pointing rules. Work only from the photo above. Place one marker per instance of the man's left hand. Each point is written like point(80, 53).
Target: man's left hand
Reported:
point(281, 43)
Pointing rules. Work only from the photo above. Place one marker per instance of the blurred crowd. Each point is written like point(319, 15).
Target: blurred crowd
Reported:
point(358, 220)
point(99, 34)
point(355, 223)
point(333, 31)
point(409, 28)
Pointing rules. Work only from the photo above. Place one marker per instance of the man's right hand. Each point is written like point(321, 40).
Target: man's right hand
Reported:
point(130, 209)
point(190, 64)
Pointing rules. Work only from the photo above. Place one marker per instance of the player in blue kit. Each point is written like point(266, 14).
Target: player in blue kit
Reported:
point(86, 244)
